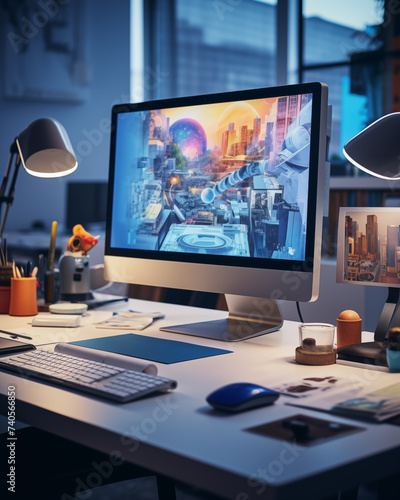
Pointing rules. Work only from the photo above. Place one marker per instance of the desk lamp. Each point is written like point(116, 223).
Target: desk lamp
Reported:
point(44, 150)
point(376, 150)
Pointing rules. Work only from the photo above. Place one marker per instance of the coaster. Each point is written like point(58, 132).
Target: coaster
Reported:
point(315, 358)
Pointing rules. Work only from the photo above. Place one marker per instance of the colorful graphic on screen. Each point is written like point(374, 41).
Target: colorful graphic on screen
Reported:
point(371, 245)
point(225, 178)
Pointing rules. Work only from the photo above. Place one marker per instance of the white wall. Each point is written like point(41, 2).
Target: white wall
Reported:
point(108, 48)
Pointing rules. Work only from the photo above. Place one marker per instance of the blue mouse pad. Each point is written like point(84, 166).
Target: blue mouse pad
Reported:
point(151, 348)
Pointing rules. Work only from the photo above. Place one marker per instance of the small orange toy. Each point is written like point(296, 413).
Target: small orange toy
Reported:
point(81, 240)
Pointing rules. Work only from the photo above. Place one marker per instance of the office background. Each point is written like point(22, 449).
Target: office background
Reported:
point(99, 50)
point(86, 55)
point(72, 60)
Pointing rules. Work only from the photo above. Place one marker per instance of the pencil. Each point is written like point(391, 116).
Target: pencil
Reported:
point(52, 248)
point(2, 256)
point(5, 252)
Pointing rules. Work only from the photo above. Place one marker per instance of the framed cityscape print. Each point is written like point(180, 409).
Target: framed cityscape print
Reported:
point(368, 250)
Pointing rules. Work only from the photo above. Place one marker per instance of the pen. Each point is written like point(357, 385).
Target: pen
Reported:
point(15, 335)
point(154, 315)
point(50, 259)
point(3, 261)
point(5, 252)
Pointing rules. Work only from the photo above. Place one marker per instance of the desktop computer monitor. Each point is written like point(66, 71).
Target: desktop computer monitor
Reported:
point(221, 193)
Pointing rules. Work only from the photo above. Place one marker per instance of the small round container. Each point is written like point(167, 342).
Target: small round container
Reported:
point(348, 328)
point(316, 337)
point(393, 360)
point(393, 349)
point(316, 344)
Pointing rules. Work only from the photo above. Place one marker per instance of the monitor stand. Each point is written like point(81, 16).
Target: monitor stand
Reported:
point(248, 317)
point(374, 353)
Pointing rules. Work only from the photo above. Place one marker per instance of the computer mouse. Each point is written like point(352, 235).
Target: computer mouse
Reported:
point(241, 396)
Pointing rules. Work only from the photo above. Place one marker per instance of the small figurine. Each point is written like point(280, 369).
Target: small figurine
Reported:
point(74, 266)
point(348, 328)
point(81, 241)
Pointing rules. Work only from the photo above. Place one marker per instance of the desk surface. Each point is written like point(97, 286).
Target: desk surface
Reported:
point(179, 435)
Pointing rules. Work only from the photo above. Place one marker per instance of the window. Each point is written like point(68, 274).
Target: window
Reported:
point(205, 46)
point(340, 46)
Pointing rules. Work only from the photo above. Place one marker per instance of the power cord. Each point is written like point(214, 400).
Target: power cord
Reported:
point(299, 312)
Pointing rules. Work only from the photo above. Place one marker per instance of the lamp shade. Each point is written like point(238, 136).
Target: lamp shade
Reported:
point(376, 149)
point(45, 149)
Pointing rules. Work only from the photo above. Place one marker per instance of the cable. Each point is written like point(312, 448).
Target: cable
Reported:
point(299, 312)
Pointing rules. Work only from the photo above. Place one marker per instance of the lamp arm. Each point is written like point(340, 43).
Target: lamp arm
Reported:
point(9, 198)
point(390, 315)
point(13, 151)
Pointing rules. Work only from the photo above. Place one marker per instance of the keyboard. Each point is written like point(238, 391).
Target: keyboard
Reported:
point(100, 379)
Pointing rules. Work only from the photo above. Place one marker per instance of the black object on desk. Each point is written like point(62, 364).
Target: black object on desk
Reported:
point(304, 430)
point(372, 353)
point(94, 303)
point(10, 346)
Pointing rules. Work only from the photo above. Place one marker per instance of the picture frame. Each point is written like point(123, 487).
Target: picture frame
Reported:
point(368, 251)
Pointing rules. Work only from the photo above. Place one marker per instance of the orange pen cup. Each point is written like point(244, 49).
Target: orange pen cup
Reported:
point(23, 301)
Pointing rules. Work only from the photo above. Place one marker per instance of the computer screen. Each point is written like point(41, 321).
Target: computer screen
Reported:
point(220, 193)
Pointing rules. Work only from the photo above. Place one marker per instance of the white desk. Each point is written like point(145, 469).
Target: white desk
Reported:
point(180, 436)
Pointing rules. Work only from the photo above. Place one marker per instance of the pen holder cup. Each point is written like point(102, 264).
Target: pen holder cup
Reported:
point(6, 274)
point(23, 301)
point(5, 299)
point(52, 286)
